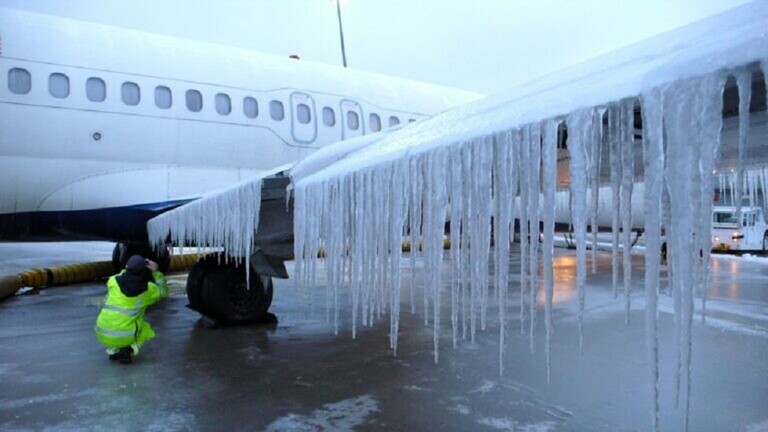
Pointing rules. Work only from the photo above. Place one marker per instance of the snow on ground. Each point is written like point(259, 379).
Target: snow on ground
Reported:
point(339, 416)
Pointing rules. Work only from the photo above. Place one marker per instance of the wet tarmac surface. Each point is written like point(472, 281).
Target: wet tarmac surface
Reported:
point(298, 375)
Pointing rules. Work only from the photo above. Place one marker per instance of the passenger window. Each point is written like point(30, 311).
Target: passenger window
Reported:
point(353, 121)
point(375, 122)
point(329, 116)
point(58, 85)
point(223, 104)
point(95, 89)
point(194, 100)
point(393, 121)
point(163, 97)
point(303, 114)
point(19, 81)
point(250, 107)
point(131, 93)
point(276, 110)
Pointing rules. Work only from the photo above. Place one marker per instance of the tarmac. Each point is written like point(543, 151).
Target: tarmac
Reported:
point(299, 376)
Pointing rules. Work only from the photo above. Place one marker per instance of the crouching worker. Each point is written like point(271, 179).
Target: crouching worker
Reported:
point(120, 326)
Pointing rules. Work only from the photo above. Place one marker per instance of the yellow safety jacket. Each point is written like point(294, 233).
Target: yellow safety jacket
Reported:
point(121, 321)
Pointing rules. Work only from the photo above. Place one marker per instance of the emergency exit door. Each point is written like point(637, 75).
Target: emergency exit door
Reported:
point(304, 124)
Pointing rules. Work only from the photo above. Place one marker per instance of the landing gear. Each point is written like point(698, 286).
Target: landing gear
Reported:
point(123, 251)
point(221, 291)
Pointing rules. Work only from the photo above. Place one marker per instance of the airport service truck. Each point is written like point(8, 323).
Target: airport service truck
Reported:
point(731, 235)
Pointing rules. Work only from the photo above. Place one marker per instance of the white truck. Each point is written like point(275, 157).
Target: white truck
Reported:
point(730, 235)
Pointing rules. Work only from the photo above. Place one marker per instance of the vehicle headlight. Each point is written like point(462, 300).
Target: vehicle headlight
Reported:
point(737, 235)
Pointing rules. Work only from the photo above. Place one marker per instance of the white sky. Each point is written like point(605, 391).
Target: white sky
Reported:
point(481, 45)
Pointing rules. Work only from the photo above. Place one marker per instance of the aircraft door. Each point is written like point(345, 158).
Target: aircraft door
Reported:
point(303, 121)
point(352, 119)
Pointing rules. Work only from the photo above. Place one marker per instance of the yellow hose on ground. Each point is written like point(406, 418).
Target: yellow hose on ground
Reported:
point(76, 273)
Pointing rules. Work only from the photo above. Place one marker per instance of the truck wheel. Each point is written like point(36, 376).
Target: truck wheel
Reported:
point(765, 241)
point(228, 298)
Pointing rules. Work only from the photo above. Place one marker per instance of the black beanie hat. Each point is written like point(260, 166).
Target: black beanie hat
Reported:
point(136, 264)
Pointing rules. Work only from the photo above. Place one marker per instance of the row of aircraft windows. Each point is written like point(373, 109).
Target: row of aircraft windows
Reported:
point(20, 82)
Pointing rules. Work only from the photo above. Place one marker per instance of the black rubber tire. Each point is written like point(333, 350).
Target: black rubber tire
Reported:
point(116, 267)
point(225, 297)
point(195, 285)
point(195, 280)
point(128, 250)
point(765, 241)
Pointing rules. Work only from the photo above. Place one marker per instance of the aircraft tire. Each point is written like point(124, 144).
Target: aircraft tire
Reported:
point(195, 280)
point(227, 299)
point(116, 252)
point(127, 250)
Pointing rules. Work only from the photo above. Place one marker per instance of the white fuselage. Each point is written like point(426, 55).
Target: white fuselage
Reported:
point(85, 121)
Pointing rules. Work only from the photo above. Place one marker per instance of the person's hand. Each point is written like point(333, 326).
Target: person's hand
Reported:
point(151, 265)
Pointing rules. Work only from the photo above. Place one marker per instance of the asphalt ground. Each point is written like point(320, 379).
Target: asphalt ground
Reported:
point(299, 375)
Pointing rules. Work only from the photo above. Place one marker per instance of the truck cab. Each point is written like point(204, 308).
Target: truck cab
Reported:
point(749, 234)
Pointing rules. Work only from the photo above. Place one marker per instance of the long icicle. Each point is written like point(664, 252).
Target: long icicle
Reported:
point(502, 200)
point(627, 131)
point(594, 180)
point(580, 129)
point(533, 217)
point(455, 199)
point(744, 82)
point(653, 136)
point(549, 178)
point(524, 166)
point(614, 119)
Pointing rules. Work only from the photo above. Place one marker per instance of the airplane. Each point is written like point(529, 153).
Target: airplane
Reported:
point(103, 128)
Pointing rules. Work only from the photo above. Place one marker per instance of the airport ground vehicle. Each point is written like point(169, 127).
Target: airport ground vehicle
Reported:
point(730, 234)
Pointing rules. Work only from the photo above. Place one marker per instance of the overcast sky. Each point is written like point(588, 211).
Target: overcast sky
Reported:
point(481, 45)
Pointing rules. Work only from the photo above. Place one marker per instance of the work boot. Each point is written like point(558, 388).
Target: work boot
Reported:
point(123, 355)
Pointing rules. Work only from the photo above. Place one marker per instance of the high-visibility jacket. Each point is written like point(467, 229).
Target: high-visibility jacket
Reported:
point(121, 321)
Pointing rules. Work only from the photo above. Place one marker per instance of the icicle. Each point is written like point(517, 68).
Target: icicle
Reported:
point(466, 271)
point(533, 218)
point(456, 203)
point(236, 212)
point(525, 179)
point(614, 121)
point(744, 82)
point(504, 200)
point(712, 123)
point(434, 218)
point(653, 137)
point(358, 247)
point(627, 131)
point(549, 179)
point(580, 129)
point(596, 151)
point(482, 233)
point(684, 103)
point(399, 182)
point(414, 223)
